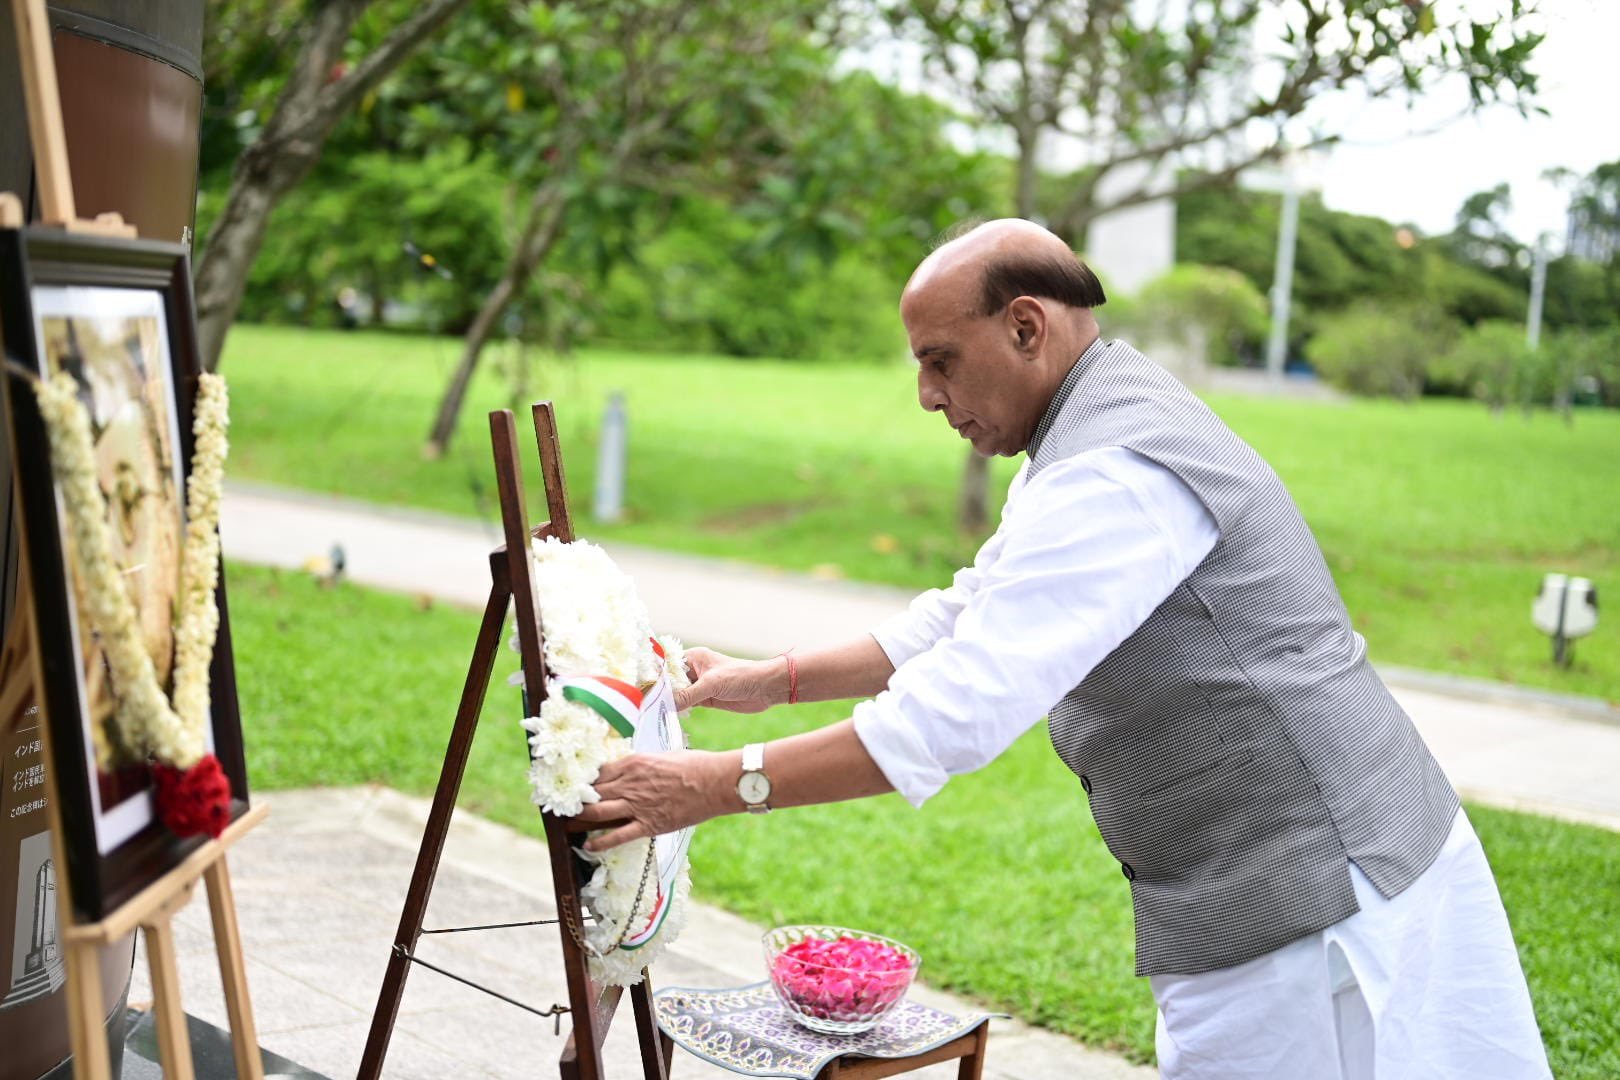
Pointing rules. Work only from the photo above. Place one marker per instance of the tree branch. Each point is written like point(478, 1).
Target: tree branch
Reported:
point(339, 96)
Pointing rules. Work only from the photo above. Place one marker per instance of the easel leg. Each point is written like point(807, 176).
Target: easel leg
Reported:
point(233, 972)
point(438, 828)
point(174, 1046)
point(85, 1012)
point(656, 1047)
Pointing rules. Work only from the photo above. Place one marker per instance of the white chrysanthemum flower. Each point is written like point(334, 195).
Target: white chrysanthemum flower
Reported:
point(675, 661)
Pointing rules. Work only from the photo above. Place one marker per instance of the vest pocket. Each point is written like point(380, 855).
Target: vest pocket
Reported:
point(1190, 782)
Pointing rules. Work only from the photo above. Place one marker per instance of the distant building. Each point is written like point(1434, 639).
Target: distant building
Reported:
point(1131, 247)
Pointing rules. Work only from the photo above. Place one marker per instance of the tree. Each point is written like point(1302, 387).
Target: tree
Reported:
point(1482, 236)
point(599, 108)
point(1142, 92)
point(331, 74)
point(1594, 211)
point(629, 117)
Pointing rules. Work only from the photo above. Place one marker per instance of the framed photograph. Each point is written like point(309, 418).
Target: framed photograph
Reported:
point(116, 315)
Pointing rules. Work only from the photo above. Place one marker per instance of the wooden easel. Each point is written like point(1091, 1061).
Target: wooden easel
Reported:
point(590, 1005)
point(151, 910)
point(154, 907)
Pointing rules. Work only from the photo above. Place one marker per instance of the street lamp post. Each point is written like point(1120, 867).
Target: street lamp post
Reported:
point(1282, 286)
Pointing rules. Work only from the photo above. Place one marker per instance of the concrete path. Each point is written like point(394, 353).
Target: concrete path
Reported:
point(319, 889)
point(1499, 745)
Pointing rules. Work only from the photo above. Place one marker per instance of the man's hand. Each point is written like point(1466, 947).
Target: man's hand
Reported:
point(652, 794)
point(724, 682)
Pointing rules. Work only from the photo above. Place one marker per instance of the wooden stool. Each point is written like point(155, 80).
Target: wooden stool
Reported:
point(969, 1047)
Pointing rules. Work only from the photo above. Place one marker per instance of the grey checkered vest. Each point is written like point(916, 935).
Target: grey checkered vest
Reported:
point(1237, 747)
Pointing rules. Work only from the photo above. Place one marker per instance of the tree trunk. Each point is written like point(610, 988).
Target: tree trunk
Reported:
point(973, 505)
point(1028, 169)
point(319, 93)
point(539, 235)
point(264, 173)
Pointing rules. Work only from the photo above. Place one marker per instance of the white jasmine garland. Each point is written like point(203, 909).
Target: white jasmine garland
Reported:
point(147, 723)
point(594, 624)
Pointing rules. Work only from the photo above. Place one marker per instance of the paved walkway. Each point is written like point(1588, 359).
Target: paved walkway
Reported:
point(1499, 745)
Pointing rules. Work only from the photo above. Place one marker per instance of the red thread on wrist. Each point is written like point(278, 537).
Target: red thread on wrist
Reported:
point(793, 677)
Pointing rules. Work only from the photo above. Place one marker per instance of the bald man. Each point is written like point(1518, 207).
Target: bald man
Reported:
point(1310, 900)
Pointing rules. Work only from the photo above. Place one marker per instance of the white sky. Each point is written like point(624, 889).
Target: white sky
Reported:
point(1423, 178)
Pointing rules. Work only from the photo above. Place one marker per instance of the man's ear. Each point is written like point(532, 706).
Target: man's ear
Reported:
point(1026, 318)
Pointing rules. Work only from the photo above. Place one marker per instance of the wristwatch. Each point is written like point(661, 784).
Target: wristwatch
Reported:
point(753, 786)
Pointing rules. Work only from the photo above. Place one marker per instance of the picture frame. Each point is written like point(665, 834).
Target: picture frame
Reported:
point(120, 317)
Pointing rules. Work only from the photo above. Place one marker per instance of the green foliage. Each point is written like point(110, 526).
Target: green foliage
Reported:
point(1490, 361)
point(379, 709)
point(1380, 350)
point(1494, 363)
point(1578, 294)
point(1221, 303)
point(707, 284)
point(349, 227)
point(1482, 236)
point(1344, 258)
point(718, 186)
point(1590, 362)
point(1468, 293)
point(1338, 257)
point(1437, 519)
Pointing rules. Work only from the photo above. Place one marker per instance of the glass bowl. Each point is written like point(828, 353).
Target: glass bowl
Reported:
point(835, 980)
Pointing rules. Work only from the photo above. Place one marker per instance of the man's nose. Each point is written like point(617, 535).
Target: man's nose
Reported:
point(929, 394)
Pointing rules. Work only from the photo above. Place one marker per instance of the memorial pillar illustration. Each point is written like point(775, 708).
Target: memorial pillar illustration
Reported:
point(43, 943)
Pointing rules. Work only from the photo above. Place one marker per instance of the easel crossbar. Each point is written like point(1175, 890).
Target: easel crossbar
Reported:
point(491, 926)
point(555, 1012)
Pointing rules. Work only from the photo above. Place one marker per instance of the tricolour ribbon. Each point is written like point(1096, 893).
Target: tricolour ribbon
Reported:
point(617, 702)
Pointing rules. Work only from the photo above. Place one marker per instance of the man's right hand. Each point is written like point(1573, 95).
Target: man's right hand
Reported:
point(724, 682)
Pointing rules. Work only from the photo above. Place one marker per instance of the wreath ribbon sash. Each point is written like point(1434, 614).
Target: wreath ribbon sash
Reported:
point(613, 700)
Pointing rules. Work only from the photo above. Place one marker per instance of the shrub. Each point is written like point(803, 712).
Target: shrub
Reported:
point(1221, 302)
point(1380, 350)
point(1588, 362)
point(1489, 361)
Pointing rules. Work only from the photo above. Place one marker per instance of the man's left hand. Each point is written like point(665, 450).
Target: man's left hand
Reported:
point(652, 794)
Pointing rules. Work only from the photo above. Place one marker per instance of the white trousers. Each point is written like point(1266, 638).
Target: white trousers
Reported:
point(1426, 986)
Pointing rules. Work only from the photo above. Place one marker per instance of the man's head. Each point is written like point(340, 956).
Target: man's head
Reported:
point(996, 318)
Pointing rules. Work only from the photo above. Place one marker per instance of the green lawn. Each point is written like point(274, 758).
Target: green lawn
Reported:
point(1001, 881)
point(1437, 519)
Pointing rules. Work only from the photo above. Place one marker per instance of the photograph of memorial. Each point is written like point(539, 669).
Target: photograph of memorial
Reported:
point(113, 344)
point(36, 967)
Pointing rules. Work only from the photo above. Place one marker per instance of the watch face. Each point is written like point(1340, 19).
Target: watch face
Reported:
point(754, 788)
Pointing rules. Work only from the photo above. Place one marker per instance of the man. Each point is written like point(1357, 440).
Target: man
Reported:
point(1310, 901)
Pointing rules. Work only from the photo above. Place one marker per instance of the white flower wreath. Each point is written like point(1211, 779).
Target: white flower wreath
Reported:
point(193, 794)
point(596, 629)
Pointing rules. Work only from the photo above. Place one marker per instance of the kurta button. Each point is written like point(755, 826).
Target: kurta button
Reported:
point(1085, 782)
point(1125, 868)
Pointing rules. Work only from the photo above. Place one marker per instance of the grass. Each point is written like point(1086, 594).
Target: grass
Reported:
point(1437, 519)
point(1001, 881)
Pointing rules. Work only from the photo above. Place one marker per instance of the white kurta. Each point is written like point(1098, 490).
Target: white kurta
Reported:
point(1427, 984)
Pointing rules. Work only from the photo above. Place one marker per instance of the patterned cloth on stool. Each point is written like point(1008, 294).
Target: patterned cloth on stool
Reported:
point(746, 1030)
